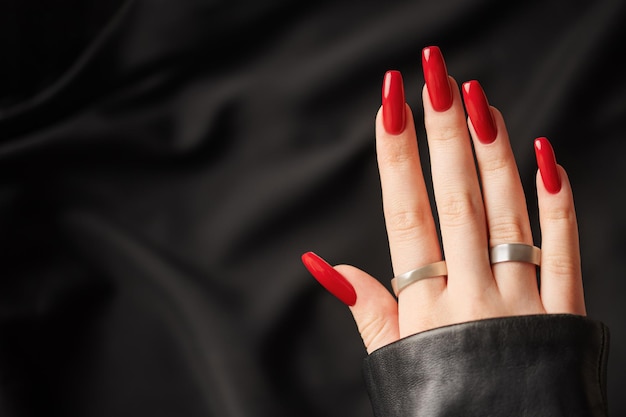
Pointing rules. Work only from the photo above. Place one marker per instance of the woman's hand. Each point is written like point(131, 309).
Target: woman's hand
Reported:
point(477, 209)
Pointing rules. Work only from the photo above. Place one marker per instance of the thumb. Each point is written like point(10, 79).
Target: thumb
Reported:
point(374, 309)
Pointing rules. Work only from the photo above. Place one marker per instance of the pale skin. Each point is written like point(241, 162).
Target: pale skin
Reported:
point(470, 221)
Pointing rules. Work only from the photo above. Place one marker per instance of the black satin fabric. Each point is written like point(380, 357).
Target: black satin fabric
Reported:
point(163, 165)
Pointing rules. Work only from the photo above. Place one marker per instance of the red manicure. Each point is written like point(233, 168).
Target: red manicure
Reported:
point(479, 112)
point(436, 77)
point(547, 165)
point(393, 103)
point(330, 279)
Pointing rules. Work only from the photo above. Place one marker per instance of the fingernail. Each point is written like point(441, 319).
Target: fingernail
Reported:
point(479, 112)
point(393, 103)
point(330, 279)
point(436, 78)
point(547, 165)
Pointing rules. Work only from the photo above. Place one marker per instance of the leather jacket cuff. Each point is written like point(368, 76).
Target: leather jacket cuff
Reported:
point(539, 365)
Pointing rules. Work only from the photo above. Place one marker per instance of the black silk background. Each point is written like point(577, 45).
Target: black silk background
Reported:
point(163, 165)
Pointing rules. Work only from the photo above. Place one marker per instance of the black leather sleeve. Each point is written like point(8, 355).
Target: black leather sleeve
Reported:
point(540, 365)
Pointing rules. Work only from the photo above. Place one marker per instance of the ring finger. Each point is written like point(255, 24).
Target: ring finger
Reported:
point(503, 195)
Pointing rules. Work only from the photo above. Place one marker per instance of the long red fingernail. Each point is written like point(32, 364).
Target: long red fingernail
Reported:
point(479, 112)
point(547, 165)
point(393, 102)
point(436, 78)
point(330, 279)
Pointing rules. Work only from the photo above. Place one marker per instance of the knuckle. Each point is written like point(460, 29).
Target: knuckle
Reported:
point(374, 327)
point(447, 133)
point(496, 165)
point(565, 215)
point(507, 230)
point(399, 153)
point(459, 208)
point(407, 222)
point(559, 266)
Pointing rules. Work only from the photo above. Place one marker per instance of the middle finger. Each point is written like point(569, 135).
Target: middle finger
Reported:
point(457, 194)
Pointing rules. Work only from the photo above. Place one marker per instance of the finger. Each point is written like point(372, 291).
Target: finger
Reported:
point(410, 225)
point(561, 276)
point(374, 309)
point(503, 194)
point(413, 239)
point(458, 196)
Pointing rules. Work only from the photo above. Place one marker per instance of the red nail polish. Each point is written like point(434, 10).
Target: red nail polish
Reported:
point(479, 112)
point(547, 165)
point(436, 78)
point(330, 279)
point(393, 103)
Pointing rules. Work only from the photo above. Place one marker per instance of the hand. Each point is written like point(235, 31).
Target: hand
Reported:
point(476, 211)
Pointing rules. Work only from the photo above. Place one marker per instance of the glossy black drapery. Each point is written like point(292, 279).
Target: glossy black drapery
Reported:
point(163, 164)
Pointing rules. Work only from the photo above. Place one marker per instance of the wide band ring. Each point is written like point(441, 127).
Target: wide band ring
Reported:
point(436, 269)
point(519, 252)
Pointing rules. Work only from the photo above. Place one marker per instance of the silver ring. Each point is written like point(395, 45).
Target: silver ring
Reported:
point(519, 252)
point(436, 269)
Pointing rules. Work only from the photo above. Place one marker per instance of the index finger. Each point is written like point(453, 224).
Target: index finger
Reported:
point(413, 240)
